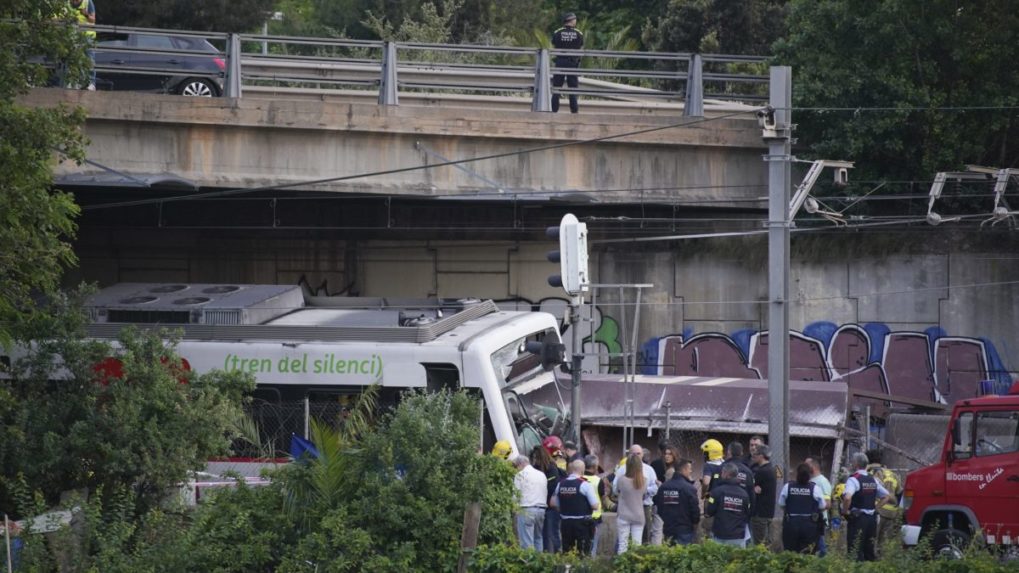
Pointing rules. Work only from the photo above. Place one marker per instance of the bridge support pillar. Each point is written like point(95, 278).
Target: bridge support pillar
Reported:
point(694, 103)
point(388, 94)
point(542, 97)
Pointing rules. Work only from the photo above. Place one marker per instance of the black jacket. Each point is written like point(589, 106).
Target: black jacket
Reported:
point(729, 504)
point(764, 503)
point(745, 478)
point(678, 506)
point(554, 476)
point(568, 39)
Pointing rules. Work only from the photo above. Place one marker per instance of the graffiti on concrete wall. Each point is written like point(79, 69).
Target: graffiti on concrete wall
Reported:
point(928, 365)
point(598, 336)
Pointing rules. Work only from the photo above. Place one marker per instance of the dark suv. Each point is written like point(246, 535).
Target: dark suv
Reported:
point(124, 62)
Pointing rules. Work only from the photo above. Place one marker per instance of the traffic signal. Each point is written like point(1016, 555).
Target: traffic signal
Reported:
point(550, 352)
point(571, 256)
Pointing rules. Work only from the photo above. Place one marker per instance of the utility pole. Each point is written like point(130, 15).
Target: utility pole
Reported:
point(576, 362)
point(573, 278)
point(777, 126)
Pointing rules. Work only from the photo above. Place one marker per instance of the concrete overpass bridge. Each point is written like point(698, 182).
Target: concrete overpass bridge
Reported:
point(311, 114)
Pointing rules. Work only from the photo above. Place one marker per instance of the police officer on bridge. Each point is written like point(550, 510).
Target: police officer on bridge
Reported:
point(859, 502)
point(567, 38)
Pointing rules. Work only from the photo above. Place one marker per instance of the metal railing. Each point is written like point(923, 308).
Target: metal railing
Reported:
point(261, 65)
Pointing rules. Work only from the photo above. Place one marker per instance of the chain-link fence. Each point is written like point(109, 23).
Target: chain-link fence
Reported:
point(902, 440)
point(274, 422)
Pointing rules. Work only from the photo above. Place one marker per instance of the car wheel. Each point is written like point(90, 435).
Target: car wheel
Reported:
point(949, 543)
point(197, 87)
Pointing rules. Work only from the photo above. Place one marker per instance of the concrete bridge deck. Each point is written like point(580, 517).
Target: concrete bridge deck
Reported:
point(255, 142)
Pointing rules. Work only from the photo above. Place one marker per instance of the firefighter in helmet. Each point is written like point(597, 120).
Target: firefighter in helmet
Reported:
point(713, 458)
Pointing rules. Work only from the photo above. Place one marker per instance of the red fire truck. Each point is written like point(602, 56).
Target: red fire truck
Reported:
point(973, 492)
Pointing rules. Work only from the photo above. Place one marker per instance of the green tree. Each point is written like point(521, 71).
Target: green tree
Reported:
point(746, 27)
point(35, 220)
point(210, 15)
point(920, 58)
point(66, 424)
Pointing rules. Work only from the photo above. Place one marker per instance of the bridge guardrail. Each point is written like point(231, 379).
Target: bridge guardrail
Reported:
point(265, 64)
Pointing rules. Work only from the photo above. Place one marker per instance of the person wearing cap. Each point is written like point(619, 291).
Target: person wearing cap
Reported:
point(567, 38)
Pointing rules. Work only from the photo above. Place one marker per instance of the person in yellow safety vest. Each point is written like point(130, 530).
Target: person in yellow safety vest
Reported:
point(889, 513)
point(84, 11)
point(591, 474)
point(502, 449)
point(713, 458)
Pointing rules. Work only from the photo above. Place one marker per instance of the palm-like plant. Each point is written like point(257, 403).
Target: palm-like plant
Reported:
point(316, 485)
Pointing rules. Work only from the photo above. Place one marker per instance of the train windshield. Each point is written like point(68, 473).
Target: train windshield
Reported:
point(520, 373)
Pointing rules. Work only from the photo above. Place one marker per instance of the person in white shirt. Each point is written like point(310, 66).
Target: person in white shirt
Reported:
point(532, 487)
point(822, 482)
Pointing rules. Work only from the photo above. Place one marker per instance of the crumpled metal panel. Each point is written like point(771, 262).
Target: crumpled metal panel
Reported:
point(736, 405)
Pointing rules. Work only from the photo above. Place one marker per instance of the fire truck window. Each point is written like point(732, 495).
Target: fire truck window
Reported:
point(997, 432)
point(963, 446)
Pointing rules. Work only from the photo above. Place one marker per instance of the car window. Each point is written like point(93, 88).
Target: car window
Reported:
point(108, 40)
point(193, 44)
point(997, 432)
point(150, 42)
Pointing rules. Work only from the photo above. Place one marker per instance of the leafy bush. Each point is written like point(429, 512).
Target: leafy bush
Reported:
point(66, 424)
point(405, 488)
point(723, 559)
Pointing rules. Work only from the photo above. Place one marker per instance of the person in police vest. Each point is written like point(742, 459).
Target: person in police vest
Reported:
point(577, 501)
point(678, 505)
point(592, 473)
point(84, 12)
point(567, 38)
point(859, 503)
point(729, 505)
point(803, 503)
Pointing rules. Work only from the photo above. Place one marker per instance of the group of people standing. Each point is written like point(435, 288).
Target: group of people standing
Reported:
point(563, 496)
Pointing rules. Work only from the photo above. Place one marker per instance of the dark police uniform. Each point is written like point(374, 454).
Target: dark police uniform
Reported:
point(567, 38)
point(802, 523)
point(679, 509)
point(576, 509)
point(729, 504)
point(764, 503)
point(862, 521)
point(712, 471)
point(745, 478)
